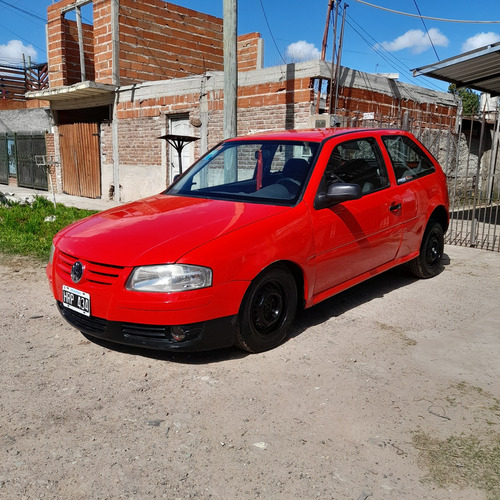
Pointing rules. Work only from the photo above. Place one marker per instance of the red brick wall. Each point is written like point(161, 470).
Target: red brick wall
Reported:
point(63, 53)
point(276, 93)
point(161, 40)
point(262, 107)
point(103, 48)
point(72, 73)
point(138, 141)
point(354, 102)
point(157, 41)
point(10, 104)
point(248, 51)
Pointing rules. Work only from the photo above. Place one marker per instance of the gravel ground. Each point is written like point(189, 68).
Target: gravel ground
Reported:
point(331, 414)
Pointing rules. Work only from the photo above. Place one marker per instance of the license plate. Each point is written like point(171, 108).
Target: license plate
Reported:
point(76, 300)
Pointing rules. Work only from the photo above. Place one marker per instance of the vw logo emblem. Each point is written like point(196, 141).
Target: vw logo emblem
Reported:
point(77, 271)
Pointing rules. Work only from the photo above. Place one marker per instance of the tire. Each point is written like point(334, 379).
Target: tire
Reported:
point(428, 263)
point(267, 310)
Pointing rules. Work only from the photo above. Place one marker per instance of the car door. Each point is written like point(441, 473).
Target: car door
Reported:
point(411, 166)
point(355, 236)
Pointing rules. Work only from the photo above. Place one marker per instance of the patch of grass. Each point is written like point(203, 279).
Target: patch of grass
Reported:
point(463, 460)
point(25, 230)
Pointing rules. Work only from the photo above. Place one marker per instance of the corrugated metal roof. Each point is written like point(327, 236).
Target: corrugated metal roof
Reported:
point(478, 69)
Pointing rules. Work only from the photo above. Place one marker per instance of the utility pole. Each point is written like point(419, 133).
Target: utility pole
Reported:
point(230, 27)
point(339, 58)
point(323, 50)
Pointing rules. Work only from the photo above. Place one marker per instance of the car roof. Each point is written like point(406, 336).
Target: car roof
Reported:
point(312, 135)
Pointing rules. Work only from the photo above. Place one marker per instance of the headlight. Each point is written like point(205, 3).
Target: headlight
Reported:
point(52, 251)
point(169, 278)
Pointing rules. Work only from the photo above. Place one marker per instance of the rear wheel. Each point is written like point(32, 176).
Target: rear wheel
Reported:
point(428, 263)
point(267, 310)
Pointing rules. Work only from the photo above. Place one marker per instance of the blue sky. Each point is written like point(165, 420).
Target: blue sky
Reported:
point(376, 40)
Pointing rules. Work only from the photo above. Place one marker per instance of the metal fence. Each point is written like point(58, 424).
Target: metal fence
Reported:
point(470, 159)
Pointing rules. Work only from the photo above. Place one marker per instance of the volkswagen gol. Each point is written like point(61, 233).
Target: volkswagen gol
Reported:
point(255, 229)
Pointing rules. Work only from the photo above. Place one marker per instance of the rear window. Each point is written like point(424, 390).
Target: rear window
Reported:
point(408, 160)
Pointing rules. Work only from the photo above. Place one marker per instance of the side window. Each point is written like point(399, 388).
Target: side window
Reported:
point(357, 162)
point(408, 160)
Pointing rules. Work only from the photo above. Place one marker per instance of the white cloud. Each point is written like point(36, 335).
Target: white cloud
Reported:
point(480, 40)
point(12, 52)
point(417, 41)
point(302, 51)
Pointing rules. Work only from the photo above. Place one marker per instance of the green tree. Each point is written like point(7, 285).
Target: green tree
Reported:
point(470, 99)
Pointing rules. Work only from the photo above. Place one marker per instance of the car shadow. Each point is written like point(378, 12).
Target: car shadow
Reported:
point(194, 358)
point(351, 298)
point(333, 307)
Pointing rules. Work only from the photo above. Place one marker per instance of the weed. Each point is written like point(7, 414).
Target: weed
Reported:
point(462, 460)
point(29, 229)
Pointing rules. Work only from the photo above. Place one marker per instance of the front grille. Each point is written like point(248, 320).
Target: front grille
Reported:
point(95, 272)
point(86, 324)
point(159, 332)
point(198, 336)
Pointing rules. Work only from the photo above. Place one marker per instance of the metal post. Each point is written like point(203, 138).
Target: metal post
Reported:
point(477, 193)
point(323, 49)
point(334, 56)
point(339, 58)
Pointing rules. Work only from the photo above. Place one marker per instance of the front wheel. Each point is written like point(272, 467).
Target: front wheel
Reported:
point(428, 263)
point(267, 310)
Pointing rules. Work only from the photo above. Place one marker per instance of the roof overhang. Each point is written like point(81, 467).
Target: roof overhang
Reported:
point(478, 69)
point(71, 94)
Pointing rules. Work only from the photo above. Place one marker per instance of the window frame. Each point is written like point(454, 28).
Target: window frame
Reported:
point(409, 172)
point(382, 174)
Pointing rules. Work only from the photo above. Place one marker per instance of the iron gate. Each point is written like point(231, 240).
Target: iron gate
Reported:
point(29, 174)
point(18, 154)
point(474, 187)
point(4, 160)
point(470, 159)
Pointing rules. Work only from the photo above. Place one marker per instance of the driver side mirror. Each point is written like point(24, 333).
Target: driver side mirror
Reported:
point(337, 193)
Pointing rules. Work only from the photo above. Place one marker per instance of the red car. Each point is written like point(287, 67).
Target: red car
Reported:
point(258, 227)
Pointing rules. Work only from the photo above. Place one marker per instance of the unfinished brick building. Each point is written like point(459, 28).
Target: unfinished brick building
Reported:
point(145, 69)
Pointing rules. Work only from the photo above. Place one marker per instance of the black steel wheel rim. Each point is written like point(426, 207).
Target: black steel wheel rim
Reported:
point(268, 308)
point(433, 253)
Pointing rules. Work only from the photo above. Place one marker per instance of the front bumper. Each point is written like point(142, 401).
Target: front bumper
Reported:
point(212, 334)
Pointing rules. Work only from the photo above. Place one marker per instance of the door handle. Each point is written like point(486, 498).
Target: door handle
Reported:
point(395, 207)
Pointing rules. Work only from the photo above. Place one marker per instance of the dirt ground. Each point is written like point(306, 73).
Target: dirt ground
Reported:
point(330, 414)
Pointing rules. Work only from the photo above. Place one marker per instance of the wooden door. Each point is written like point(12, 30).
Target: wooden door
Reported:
point(80, 158)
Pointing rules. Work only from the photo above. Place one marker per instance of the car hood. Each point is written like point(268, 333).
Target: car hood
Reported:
point(158, 229)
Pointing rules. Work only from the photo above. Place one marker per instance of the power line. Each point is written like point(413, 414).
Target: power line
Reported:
point(23, 39)
point(28, 13)
point(270, 32)
point(387, 58)
point(427, 17)
point(426, 30)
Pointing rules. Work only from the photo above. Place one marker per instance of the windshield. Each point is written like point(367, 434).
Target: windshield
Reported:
point(272, 172)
